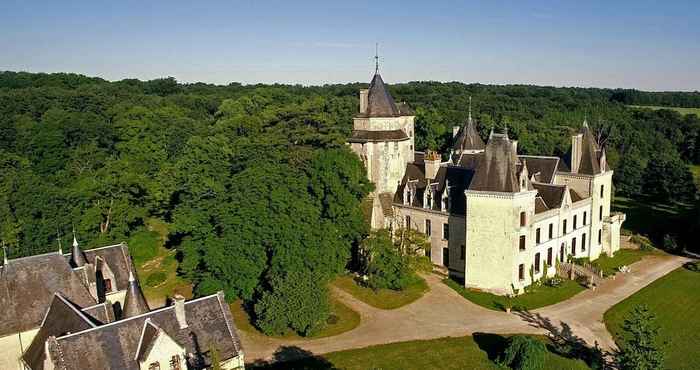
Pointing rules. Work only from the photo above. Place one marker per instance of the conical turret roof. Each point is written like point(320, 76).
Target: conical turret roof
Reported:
point(380, 103)
point(497, 167)
point(468, 138)
point(134, 301)
point(77, 256)
point(590, 164)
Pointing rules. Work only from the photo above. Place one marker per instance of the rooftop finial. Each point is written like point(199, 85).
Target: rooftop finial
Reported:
point(470, 108)
point(505, 130)
point(376, 58)
point(4, 254)
point(75, 240)
point(58, 237)
point(585, 121)
point(77, 254)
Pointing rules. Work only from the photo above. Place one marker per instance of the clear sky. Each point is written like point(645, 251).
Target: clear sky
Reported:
point(644, 44)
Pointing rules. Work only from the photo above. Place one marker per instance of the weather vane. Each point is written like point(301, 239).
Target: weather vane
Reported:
point(376, 58)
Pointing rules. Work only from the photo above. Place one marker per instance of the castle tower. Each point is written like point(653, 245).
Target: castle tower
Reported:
point(591, 177)
point(467, 139)
point(383, 136)
point(500, 205)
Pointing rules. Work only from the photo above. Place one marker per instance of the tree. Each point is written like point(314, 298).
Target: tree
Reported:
point(384, 265)
point(524, 353)
point(641, 348)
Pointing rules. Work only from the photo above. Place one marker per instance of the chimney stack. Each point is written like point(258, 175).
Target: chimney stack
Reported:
point(364, 97)
point(432, 164)
point(179, 302)
point(576, 151)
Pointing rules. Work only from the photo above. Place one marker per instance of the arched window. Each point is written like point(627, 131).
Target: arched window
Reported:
point(523, 219)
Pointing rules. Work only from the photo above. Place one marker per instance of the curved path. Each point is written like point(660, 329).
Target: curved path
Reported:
point(442, 312)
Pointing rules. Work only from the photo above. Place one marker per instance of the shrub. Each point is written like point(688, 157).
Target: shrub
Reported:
point(643, 242)
point(554, 282)
point(156, 279)
point(641, 348)
point(524, 353)
point(670, 244)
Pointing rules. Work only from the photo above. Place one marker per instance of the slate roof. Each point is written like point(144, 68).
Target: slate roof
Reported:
point(575, 197)
point(458, 178)
point(27, 287)
point(380, 103)
point(543, 168)
point(496, 171)
point(117, 257)
point(552, 195)
point(363, 136)
point(468, 138)
point(61, 318)
point(589, 154)
point(134, 301)
point(114, 346)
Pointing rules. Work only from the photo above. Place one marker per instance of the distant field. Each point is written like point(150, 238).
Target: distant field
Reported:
point(677, 109)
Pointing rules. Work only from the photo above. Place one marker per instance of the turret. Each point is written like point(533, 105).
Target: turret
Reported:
point(77, 257)
point(134, 301)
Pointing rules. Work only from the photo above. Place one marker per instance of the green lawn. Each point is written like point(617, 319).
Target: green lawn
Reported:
point(161, 261)
point(539, 296)
point(477, 353)
point(675, 299)
point(623, 257)
point(653, 219)
point(342, 319)
point(385, 299)
point(677, 109)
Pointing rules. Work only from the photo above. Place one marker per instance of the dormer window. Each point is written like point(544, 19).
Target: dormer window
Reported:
point(154, 366)
point(407, 195)
point(175, 363)
point(428, 199)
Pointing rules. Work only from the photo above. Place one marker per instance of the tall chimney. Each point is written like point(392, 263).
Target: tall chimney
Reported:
point(180, 311)
point(455, 131)
point(576, 149)
point(432, 164)
point(364, 96)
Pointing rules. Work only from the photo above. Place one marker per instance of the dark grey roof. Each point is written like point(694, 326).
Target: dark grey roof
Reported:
point(553, 195)
point(77, 256)
point(540, 205)
point(379, 101)
point(117, 258)
point(362, 136)
point(575, 197)
point(27, 287)
point(468, 138)
point(102, 313)
point(589, 154)
point(468, 160)
point(458, 179)
point(114, 346)
point(496, 170)
point(134, 301)
point(61, 318)
point(543, 168)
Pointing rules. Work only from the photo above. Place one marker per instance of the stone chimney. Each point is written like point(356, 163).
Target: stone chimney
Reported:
point(576, 151)
point(364, 96)
point(432, 164)
point(179, 302)
point(455, 131)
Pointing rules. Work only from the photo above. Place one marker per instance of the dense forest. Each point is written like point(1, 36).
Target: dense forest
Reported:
point(262, 194)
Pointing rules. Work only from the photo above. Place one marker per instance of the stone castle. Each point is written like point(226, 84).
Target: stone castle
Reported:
point(497, 220)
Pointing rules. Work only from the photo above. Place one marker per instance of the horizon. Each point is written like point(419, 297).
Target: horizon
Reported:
point(625, 45)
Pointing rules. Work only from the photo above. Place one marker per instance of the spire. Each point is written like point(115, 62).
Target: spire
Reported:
point(4, 254)
point(470, 109)
point(496, 171)
point(585, 122)
point(376, 58)
point(134, 301)
point(58, 237)
point(77, 256)
point(379, 102)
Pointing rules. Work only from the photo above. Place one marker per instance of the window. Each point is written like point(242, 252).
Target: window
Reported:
point(175, 363)
point(583, 243)
point(522, 242)
point(462, 252)
point(564, 227)
point(446, 231)
point(408, 222)
point(537, 263)
point(521, 272)
point(537, 235)
point(446, 257)
point(154, 366)
point(108, 285)
point(601, 213)
point(549, 256)
point(585, 218)
point(573, 246)
point(551, 231)
point(523, 219)
point(600, 236)
point(561, 252)
point(575, 221)
point(427, 228)
point(602, 191)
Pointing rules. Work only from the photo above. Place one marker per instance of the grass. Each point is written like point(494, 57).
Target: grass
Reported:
point(163, 262)
point(675, 300)
point(680, 110)
point(476, 352)
point(538, 296)
point(651, 218)
point(623, 257)
point(385, 299)
point(343, 319)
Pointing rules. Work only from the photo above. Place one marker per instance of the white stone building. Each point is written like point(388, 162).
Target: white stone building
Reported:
point(496, 219)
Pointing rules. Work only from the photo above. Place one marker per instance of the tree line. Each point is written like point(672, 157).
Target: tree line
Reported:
point(263, 195)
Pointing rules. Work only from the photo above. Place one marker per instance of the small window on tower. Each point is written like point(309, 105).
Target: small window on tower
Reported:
point(523, 219)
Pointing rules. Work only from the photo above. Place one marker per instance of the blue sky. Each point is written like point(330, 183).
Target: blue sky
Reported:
point(650, 45)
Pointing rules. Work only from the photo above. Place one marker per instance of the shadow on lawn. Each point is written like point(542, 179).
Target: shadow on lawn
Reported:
point(567, 344)
point(292, 358)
